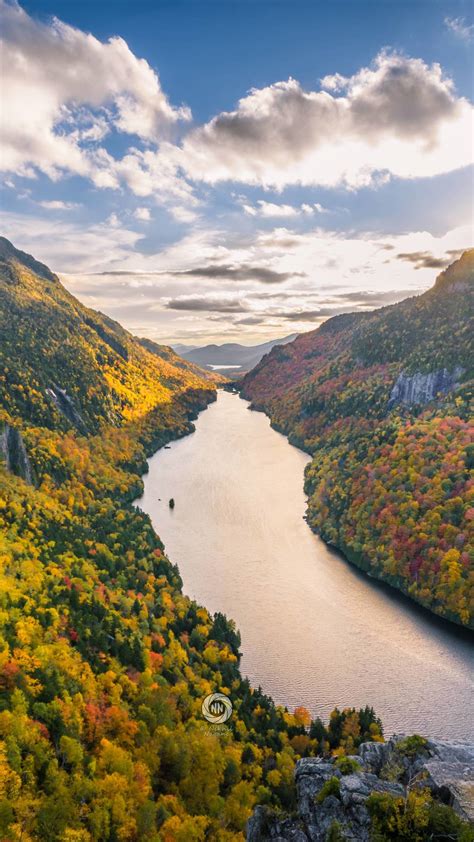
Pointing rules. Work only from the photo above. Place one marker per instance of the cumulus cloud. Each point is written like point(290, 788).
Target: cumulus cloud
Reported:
point(64, 90)
point(142, 214)
point(460, 28)
point(150, 172)
point(183, 214)
point(399, 117)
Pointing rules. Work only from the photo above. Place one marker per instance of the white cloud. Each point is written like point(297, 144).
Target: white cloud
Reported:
point(68, 246)
point(398, 117)
point(280, 280)
point(269, 209)
point(272, 209)
point(63, 90)
point(181, 214)
point(58, 205)
point(153, 173)
point(142, 214)
point(460, 28)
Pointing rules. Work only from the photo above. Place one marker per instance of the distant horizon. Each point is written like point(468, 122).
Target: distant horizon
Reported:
point(238, 172)
point(244, 344)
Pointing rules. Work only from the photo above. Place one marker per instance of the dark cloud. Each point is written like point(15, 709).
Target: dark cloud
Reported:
point(378, 299)
point(455, 253)
point(310, 315)
point(424, 259)
point(210, 305)
point(221, 272)
point(251, 320)
point(280, 242)
point(239, 273)
point(265, 296)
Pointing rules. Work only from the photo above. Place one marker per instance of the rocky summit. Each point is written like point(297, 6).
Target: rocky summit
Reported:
point(333, 795)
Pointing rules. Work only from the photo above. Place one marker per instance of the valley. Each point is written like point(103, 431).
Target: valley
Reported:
point(106, 663)
point(315, 631)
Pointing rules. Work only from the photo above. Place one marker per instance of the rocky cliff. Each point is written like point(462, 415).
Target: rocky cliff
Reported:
point(340, 799)
point(13, 451)
point(421, 388)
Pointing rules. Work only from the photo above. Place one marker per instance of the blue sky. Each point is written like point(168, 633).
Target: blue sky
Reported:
point(348, 186)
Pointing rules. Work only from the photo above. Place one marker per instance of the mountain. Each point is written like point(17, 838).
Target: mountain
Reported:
point(166, 353)
point(180, 349)
point(105, 665)
point(104, 662)
point(231, 354)
point(383, 402)
point(66, 365)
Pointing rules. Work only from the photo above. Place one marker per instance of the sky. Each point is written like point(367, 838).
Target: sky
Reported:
point(237, 170)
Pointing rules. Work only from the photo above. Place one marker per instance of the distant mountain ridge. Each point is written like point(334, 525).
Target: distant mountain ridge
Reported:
point(231, 353)
point(383, 401)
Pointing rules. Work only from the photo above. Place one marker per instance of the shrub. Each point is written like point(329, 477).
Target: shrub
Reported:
point(330, 787)
point(347, 765)
point(411, 746)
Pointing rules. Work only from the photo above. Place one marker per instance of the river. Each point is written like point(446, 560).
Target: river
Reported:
point(315, 631)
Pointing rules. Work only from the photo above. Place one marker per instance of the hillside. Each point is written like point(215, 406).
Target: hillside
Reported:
point(104, 662)
point(166, 353)
point(383, 401)
point(65, 365)
point(231, 353)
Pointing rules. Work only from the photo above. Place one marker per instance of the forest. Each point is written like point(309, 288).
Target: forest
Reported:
point(104, 662)
point(383, 402)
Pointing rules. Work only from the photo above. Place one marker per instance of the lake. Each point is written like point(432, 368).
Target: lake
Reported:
point(315, 631)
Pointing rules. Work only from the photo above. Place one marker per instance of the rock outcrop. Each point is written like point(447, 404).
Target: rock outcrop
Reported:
point(328, 799)
point(65, 405)
point(14, 452)
point(421, 388)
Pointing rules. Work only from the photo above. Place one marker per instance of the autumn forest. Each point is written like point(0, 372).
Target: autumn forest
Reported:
point(104, 660)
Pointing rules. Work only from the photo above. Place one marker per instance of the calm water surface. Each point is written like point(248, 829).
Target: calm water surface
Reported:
point(315, 631)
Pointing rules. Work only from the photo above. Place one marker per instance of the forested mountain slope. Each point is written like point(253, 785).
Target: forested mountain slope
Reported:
point(165, 352)
point(104, 663)
point(383, 401)
point(64, 364)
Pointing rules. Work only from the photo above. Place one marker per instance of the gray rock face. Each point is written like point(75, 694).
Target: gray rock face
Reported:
point(65, 405)
point(450, 774)
point(446, 768)
point(16, 458)
point(420, 388)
